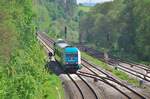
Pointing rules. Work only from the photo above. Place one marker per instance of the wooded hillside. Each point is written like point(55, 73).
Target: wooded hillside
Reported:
point(22, 59)
point(120, 27)
point(54, 15)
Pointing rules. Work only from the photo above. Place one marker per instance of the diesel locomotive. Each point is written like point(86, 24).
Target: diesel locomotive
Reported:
point(68, 56)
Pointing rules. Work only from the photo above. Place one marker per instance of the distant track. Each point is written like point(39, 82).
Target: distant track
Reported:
point(142, 66)
point(99, 54)
point(116, 62)
point(43, 35)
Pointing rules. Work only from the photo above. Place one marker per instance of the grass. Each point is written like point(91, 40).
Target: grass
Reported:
point(56, 88)
point(121, 75)
point(84, 8)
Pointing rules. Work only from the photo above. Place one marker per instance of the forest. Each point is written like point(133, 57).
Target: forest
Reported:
point(22, 59)
point(54, 15)
point(120, 28)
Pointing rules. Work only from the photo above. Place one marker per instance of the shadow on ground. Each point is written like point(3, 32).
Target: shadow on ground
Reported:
point(54, 67)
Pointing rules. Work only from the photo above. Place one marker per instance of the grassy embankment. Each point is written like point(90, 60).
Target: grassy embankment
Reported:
point(121, 75)
point(22, 71)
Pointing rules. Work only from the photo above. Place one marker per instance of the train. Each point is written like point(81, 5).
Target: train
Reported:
point(68, 56)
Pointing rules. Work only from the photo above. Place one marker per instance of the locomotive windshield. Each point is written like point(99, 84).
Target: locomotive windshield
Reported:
point(71, 54)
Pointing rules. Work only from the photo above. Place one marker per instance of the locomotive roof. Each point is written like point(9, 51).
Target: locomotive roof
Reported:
point(62, 45)
point(60, 41)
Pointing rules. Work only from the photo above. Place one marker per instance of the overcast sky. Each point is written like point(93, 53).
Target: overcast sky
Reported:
point(94, 1)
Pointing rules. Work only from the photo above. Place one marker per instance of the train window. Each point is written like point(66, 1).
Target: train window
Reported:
point(71, 55)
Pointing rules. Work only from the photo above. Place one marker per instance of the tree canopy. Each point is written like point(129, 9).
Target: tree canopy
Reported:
point(120, 26)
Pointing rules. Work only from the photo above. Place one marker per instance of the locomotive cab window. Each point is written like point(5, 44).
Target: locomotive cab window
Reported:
point(71, 55)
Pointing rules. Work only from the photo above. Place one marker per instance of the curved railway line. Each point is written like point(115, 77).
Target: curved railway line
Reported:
point(117, 62)
point(76, 86)
point(110, 78)
point(93, 75)
point(72, 79)
point(80, 89)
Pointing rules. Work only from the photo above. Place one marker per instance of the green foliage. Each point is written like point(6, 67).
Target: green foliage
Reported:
point(22, 71)
point(84, 8)
point(99, 28)
point(142, 28)
point(121, 26)
point(54, 15)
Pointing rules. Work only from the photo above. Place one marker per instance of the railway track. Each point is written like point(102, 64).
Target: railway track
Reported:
point(43, 35)
point(118, 63)
point(84, 82)
point(94, 75)
point(83, 91)
point(110, 78)
point(99, 54)
point(142, 66)
point(102, 79)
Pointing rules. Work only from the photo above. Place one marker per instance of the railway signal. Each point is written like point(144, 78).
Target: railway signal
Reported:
point(65, 33)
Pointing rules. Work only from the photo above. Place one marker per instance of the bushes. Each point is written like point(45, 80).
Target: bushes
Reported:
point(27, 77)
point(22, 72)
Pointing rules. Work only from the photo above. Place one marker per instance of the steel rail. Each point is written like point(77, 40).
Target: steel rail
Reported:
point(88, 86)
point(76, 86)
point(142, 97)
point(105, 81)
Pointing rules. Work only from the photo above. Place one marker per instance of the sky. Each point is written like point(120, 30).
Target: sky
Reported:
point(93, 1)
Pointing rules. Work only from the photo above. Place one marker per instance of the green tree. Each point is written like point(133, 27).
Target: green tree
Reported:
point(120, 26)
point(142, 24)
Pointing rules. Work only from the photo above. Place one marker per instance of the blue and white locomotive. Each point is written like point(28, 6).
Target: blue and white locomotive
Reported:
point(68, 56)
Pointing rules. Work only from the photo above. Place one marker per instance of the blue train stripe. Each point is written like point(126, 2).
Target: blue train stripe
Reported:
point(71, 50)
